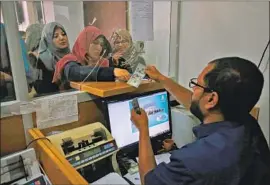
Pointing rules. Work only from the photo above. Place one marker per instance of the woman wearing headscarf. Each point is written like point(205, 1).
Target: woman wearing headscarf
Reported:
point(7, 87)
point(52, 47)
point(125, 53)
point(33, 36)
point(88, 60)
point(32, 39)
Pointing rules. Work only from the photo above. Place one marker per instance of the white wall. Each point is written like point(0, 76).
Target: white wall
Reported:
point(209, 30)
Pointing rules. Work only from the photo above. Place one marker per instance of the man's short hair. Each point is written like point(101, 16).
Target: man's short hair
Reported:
point(239, 84)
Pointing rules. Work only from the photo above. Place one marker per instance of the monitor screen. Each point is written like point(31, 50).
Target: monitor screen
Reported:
point(124, 131)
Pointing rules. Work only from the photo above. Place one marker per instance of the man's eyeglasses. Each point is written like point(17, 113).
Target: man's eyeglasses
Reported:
point(193, 82)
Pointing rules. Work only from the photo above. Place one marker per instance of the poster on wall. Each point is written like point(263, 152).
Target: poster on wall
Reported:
point(58, 110)
point(141, 17)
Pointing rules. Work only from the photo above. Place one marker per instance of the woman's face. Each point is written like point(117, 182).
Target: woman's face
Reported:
point(95, 49)
point(121, 44)
point(60, 39)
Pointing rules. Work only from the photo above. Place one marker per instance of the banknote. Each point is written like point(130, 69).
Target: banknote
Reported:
point(136, 78)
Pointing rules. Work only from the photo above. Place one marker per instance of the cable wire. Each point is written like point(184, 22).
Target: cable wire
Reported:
point(263, 53)
point(37, 140)
point(101, 57)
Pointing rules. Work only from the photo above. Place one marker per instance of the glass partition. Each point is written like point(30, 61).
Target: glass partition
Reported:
point(58, 52)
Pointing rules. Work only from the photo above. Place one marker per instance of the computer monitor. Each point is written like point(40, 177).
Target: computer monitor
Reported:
point(156, 105)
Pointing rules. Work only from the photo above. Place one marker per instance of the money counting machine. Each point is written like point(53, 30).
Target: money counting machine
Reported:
point(88, 149)
point(22, 168)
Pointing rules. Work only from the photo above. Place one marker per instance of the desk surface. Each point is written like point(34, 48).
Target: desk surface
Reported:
point(106, 89)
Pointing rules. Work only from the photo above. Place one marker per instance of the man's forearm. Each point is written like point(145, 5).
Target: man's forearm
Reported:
point(180, 93)
point(146, 156)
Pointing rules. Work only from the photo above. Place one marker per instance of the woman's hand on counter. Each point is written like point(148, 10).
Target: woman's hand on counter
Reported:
point(121, 74)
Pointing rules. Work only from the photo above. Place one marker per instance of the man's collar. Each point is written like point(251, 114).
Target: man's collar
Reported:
point(204, 130)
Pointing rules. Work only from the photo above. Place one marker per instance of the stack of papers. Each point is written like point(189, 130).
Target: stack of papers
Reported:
point(160, 158)
point(135, 178)
point(111, 178)
point(163, 158)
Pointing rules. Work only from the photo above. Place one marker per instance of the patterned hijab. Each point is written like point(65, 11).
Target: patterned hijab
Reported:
point(33, 36)
point(48, 52)
point(132, 54)
point(122, 35)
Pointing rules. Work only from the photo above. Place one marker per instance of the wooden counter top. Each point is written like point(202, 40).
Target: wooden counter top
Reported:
point(106, 89)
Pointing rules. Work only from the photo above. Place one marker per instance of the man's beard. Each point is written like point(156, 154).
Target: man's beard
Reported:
point(195, 110)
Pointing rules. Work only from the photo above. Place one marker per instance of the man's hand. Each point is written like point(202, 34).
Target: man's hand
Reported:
point(121, 74)
point(168, 144)
point(146, 154)
point(153, 73)
point(140, 120)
